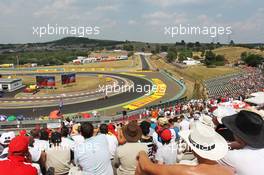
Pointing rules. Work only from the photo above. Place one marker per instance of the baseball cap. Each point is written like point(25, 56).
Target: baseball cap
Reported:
point(166, 135)
point(19, 144)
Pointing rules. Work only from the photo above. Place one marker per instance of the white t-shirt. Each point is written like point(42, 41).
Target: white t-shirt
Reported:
point(93, 156)
point(41, 144)
point(173, 135)
point(155, 138)
point(246, 161)
point(35, 153)
point(167, 153)
point(185, 125)
point(112, 144)
point(67, 143)
point(78, 139)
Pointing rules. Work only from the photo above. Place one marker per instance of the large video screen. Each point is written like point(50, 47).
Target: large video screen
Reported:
point(68, 78)
point(45, 81)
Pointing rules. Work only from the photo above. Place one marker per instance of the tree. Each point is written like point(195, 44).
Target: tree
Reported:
point(148, 45)
point(182, 56)
point(128, 47)
point(164, 48)
point(218, 44)
point(232, 43)
point(190, 45)
point(173, 49)
point(253, 60)
point(243, 56)
point(211, 46)
point(171, 56)
point(209, 55)
point(219, 58)
point(157, 48)
point(182, 42)
point(197, 44)
point(130, 54)
point(203, 52)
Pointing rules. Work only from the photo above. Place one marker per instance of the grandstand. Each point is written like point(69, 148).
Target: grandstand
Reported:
point(220, 85)
point(243, 83)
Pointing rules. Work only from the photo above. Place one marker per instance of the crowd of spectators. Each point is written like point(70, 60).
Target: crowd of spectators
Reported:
point(195, 137)
point(237, 84)
point(251, 81)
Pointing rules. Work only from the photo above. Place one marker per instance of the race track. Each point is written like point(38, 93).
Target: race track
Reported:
point(83, 106)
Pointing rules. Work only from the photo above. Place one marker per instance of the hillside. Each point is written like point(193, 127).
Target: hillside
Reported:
point(80, 40)
point(232, 54)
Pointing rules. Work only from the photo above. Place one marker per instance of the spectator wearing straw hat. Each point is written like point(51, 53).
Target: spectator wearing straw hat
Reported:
point(206, 144)
point(125, 158)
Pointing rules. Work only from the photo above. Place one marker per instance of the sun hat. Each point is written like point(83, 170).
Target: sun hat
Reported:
point(205, 142)
point(153, 120)
point(163, 121)
point(132, 132)
point(207, 120)
point(165, 135)
point(248, 126)
point(223, 111)
point(6, 137)
point(75, 129)
point(19, 144)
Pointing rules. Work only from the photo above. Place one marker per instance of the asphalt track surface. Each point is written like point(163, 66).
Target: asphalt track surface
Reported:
point(83, 106)
point(145, 65)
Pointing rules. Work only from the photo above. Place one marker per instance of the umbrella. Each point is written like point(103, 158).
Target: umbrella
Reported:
point(3, 118)
point(86, 115)
point(55, 114)
point(11, 118)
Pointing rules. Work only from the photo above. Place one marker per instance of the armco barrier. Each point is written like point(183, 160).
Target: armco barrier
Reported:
point(31, 69)
point(181, 85)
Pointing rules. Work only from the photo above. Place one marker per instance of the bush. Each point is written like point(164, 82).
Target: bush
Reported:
point(253, 59)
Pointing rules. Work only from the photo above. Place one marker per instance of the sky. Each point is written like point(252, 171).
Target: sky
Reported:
point(137, 20)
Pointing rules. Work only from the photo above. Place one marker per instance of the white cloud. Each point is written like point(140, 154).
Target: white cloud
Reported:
point(107, 8)
point(251, 24)
point(160, 18)
point(132, 22)
point(166, 3)
point(8, 7)
point(54, 8)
